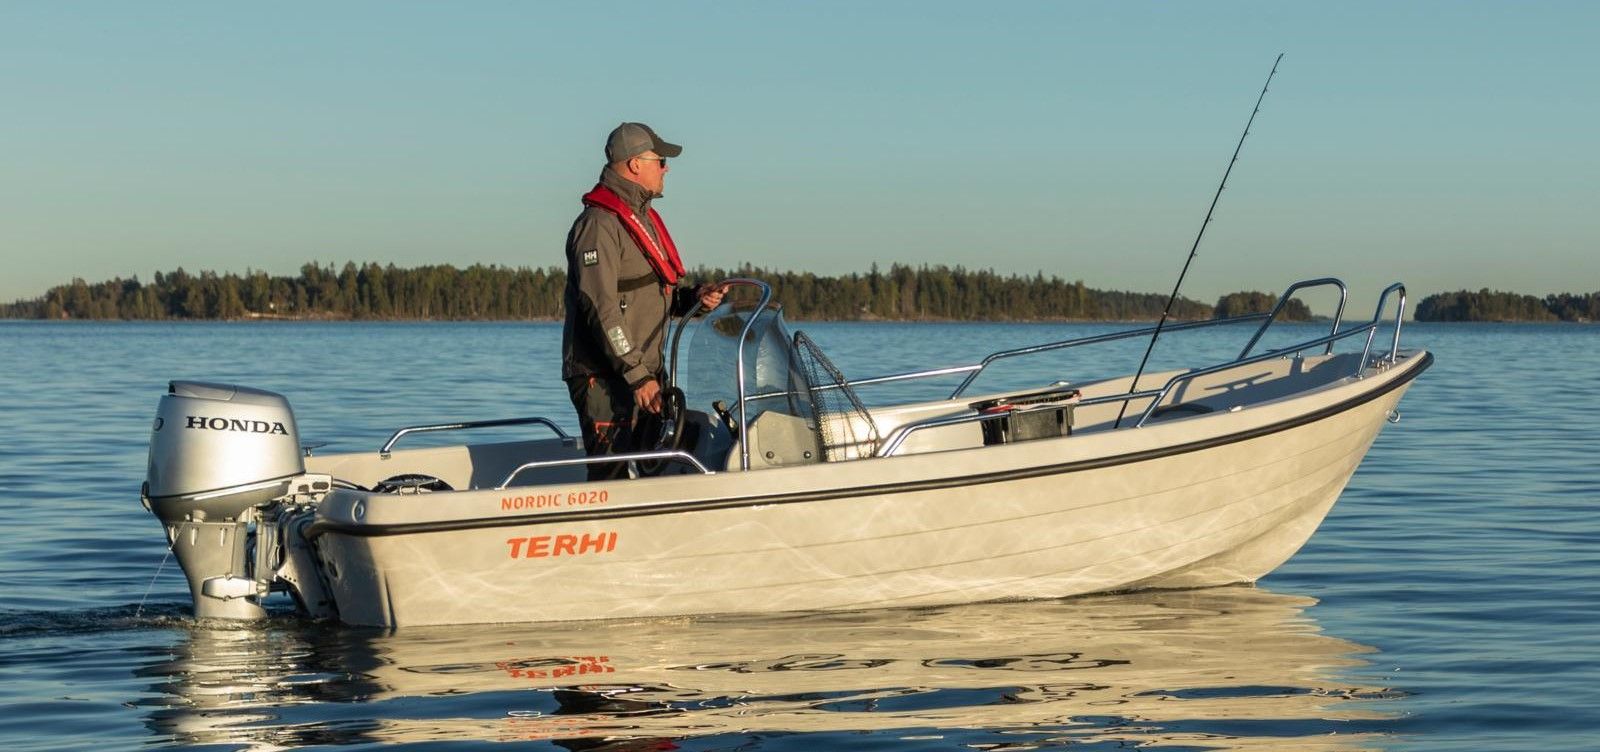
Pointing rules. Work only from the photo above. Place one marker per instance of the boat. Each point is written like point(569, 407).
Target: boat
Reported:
point(774, 487)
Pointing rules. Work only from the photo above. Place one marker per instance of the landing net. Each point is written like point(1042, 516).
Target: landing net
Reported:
point(844, 427)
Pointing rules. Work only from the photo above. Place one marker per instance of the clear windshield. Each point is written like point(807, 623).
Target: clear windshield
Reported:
point(708, 372)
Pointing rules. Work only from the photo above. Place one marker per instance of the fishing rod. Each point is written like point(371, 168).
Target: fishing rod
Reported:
point(1132, 387)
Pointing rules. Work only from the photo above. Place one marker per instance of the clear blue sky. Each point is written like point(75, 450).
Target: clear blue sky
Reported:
point(1450, 145)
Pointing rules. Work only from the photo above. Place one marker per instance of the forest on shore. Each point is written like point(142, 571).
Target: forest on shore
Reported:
point(481, 293)
point(498, 293)
point(1487, 305)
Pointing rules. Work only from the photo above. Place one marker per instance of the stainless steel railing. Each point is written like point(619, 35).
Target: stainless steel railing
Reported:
point(1283, 300)
point(675, 456)
point(897, 437)
point(1095, 340)
point(546, 422)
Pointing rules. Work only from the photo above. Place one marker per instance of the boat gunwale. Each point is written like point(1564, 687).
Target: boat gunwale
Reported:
point(1410, 372)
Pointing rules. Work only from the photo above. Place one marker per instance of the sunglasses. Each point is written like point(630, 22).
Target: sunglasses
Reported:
point(662, 160)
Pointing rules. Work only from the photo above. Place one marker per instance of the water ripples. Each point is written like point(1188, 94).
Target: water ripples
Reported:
point(1450, 601)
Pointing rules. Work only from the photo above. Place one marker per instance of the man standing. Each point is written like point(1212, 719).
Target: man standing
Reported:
point(622, 290)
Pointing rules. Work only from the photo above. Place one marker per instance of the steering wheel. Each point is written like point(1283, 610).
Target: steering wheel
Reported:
point(670, 432)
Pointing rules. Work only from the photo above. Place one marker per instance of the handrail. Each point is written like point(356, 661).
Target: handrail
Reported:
point(1269, 355)
point(1370, 328)
point(1092, 340)
point(384, 452)
point(946, 371)
point(680, 456)
point(1399, 316)
point(978, 367)
point(908, 376)
point(744, 334)
point(1283, 300)
point(900, 434)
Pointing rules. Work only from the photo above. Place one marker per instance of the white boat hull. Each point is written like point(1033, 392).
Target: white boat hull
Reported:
point(1207, 500)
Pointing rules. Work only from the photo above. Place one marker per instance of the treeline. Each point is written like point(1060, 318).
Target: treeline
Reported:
point(1241, 303)
point(319, 292)
point(479, 292)
point(943, 293)
point(1494, 305)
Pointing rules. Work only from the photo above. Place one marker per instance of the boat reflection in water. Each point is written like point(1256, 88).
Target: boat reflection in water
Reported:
point(1232, 667)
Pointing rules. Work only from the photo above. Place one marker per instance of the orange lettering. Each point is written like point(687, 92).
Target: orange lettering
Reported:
point(544, 546)
point(536, 501)
point(593, 543)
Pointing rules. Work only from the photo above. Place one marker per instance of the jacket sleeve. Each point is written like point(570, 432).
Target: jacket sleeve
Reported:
point(684, 298)
point(595, 255)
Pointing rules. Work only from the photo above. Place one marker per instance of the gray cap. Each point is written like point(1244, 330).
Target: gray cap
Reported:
point(632, 139)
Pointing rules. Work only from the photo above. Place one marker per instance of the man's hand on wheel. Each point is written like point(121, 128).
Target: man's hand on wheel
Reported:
point(711, 295)
point(647, 396)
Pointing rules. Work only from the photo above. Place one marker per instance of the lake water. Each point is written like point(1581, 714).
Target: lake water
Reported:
point(1450, 601)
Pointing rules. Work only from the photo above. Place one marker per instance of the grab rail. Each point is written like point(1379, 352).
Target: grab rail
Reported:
point(384, 452)
point(1091, 340)
point(1270, 355)
point(900, 434)
point(1283, 300)
point(1399, 316)
point(680, 456)
point(1370, 328)
point(911, 375)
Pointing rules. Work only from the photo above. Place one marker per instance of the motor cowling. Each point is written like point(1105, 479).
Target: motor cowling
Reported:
point(218, 452)
point(220, 441)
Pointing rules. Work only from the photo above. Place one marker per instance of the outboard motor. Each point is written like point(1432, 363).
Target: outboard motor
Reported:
point(220, 456)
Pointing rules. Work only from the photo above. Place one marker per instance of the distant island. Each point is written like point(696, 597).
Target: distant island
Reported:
point(498, 293)
point(1487, 305)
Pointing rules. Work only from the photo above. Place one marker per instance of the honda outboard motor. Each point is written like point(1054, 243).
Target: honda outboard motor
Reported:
point(219, 456)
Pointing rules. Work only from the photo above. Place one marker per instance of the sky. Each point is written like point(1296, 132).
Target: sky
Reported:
point(1450, 145)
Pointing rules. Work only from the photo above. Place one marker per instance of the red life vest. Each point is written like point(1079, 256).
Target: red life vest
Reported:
point(664, 260)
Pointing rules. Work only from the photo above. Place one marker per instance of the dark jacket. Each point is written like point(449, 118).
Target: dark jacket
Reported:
point(617, 306)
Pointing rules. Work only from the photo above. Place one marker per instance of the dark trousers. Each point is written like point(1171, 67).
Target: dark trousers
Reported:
point(610, 422)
